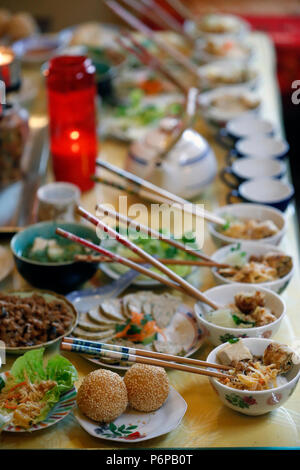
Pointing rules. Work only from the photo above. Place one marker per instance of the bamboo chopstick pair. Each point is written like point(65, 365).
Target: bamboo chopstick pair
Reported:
point(176, 281)
point(137, 24)
point(142, 356)
point(142, 187)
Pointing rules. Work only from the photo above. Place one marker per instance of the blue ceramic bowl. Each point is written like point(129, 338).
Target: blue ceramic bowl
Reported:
point(60, 277)
point(245, 126)
point(268, 191)
point(259, 146)
point(247, 168)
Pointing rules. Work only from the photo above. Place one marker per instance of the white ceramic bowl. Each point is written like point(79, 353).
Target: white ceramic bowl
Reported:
point(267, 191)
point(220, 116)
point(249, 125)
point(258, 249)
point(262, 146)
point(251, 402)
point(224, 295)
point(226, 69)
point(237, 27)
point(249, 211)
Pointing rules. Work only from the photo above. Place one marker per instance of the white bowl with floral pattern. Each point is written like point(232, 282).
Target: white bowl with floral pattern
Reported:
point(255, 403)
point(223, 296)
point(249, 248)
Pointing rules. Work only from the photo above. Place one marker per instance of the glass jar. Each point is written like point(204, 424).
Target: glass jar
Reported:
point(72, 112)
point(14, 133)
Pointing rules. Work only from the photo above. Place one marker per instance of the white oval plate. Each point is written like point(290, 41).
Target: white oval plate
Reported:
point(137, 426)
point(196, 340)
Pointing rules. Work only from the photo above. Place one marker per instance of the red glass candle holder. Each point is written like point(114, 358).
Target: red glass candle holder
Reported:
point(72, 112)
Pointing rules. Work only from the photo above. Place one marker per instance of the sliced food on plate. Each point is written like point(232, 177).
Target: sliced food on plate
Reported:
point(142, 320)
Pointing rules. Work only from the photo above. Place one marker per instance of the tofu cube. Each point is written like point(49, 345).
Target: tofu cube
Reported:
point(234, 352)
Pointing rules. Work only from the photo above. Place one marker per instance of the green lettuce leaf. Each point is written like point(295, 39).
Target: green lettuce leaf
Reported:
point(32, 363)
point(62, 371)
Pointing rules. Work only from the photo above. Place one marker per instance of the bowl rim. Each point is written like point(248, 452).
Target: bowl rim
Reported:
point(39, 263)
point(254, 392)
point(254, 329)
point(280, 184)
point(262, 284)
point(20, 349)
point(245, 205)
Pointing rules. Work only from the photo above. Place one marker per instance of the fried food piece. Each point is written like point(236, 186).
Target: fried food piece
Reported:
point(147, 387)
point(247, 303)
point(102, 396)
point(280, 355)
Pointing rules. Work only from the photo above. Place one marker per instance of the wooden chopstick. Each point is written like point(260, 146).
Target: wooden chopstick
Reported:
point(177, 262)
point(182, 10)
point(119, 259)
point(190, 289)
point(170, 21)
point(140, 26)
point(189, 117)
point(157, 15)
point(141, 183)
point(155, 234)
point(147, 195)
point(138, 359)
point(145, 353)
point(149, 59)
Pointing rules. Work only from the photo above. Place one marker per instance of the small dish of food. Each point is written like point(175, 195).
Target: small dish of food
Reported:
point(254, 263)
point(224, 103)
point(153, 246)
point(217, 24)
point(248, 222)
point(142, 320)
point(138, 113)
point(222, 49)
point(247, 312)
point(34, 318)
point(34, 396)
point(46, 260)
point(140, 406)
point(264, 375)
point(225, 73)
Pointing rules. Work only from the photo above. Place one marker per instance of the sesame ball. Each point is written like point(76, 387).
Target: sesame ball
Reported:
point(102, 396)
point(147, 387)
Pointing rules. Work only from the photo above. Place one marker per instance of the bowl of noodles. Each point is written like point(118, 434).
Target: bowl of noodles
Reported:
point(248, 222)
point(254, 263)
point(245, 311)
point(264, 375)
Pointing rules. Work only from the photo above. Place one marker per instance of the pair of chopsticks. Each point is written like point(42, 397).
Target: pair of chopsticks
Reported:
point(178, 262)
point(106, 211)
point(158, 15)
point(130, 44)
point(137, 24)
point(142, 356)
point(174, 281)
point(157, 194)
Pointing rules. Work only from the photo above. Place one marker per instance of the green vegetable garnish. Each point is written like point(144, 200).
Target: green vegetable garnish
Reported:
point(237, 320)
point(233, 340)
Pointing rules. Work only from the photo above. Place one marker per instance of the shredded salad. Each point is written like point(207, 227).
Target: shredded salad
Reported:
point(31, 389)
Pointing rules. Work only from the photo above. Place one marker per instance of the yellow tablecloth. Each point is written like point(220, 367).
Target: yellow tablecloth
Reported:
point(207, 422)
